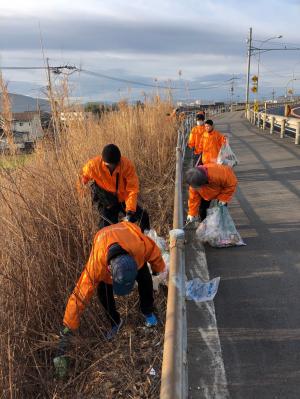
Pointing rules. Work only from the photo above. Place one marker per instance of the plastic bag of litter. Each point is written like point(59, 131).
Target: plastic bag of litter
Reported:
point(218, 229)
point(226, 156)
point(161, 278)
point(199, 291)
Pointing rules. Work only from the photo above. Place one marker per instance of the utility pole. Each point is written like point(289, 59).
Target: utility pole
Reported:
point(53, 105)
point(273, 95)
point(248, 67)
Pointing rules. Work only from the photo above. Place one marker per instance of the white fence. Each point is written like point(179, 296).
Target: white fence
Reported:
point(275, 123)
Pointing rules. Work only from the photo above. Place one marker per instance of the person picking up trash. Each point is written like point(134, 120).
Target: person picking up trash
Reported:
point(210, 143)
point(118, 258)
point(195, 136)
point(115, 187)
point(209, 182)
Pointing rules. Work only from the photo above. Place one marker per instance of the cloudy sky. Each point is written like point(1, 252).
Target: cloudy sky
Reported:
point(150, 42)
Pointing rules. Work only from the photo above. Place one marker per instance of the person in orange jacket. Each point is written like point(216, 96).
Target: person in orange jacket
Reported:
point(115, 187)
point(195, 136)
point(211, 143)
point(118, 258)
point(209, 182)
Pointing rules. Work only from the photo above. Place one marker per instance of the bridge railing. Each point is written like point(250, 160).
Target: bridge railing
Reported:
point(275, 123)
point(174, 383)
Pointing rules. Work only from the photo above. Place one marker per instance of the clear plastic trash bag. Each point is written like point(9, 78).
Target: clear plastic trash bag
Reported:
point(218, 229)
point(161, 278)
point(226, 156)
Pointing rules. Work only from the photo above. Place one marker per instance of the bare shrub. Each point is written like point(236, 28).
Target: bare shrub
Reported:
point(46, 234)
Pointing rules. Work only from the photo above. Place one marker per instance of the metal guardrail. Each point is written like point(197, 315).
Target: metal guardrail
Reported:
point(285, 125)
point(174, 368)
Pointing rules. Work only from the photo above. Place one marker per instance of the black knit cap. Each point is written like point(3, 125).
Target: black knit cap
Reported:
point(111, 154)
point(200, 117)
point(209, 122)
point(196, 177)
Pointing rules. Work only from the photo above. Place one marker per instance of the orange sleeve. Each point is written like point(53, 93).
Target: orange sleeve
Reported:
point(132, 187)
point(194, 202)
point(222, 140)
point(153, 256)
point(191, 141)
point(228, 187)
point(82, 293)
point(87, 172)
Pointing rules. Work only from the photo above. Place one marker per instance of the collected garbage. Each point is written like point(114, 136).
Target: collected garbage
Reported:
point(218, 229)
point(227, 156)
point(161, 278)
point(199, 291)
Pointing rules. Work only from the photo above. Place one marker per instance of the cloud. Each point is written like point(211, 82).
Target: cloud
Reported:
point(142, 40)
point(110, 34)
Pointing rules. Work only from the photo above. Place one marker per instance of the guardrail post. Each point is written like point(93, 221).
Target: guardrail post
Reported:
point(272, 125)
point(264, 121)
point(258, 119)
point(248, 115)
point(297, 136)
point(282, 128)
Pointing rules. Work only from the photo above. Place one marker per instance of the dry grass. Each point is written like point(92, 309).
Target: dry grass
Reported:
point(46, 233)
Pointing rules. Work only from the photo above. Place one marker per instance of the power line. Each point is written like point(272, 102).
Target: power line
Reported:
point(133, 82)
point(58, 70)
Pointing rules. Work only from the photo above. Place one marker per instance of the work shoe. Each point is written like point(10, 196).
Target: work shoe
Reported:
point(150, 320)
point(114, 330)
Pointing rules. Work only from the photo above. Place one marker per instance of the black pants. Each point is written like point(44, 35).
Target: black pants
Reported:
point(196, 159)
point(145, 287)
point(109, 208)
point(203, 208)
point(112, 215)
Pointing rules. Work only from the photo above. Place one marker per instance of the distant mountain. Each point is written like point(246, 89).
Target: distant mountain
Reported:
point(20, 103)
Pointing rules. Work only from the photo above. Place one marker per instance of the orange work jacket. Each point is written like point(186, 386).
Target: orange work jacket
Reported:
point(210, 146)
point(221, 185)
point(129, 237)
point(196, 137)
point(128, 182)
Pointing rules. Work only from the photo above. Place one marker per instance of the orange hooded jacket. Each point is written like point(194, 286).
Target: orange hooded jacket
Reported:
point(221, 185)
point(128, 182)
point(210, 146)
point(196, 137)
point(130, 238)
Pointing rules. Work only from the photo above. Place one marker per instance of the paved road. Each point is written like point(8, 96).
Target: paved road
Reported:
point(257, 342)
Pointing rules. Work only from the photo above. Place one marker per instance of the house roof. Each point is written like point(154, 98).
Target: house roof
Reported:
point(24, 116)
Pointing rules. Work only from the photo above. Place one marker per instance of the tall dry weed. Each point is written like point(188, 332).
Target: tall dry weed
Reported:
point(45, 239)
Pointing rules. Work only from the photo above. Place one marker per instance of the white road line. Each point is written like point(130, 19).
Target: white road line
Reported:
point(217, 387)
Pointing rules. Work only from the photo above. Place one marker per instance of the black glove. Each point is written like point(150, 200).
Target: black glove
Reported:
point(130, 216)
point(65, 334)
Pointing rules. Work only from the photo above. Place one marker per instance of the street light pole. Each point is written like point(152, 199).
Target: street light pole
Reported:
point(258, 62)
point(248, 68)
